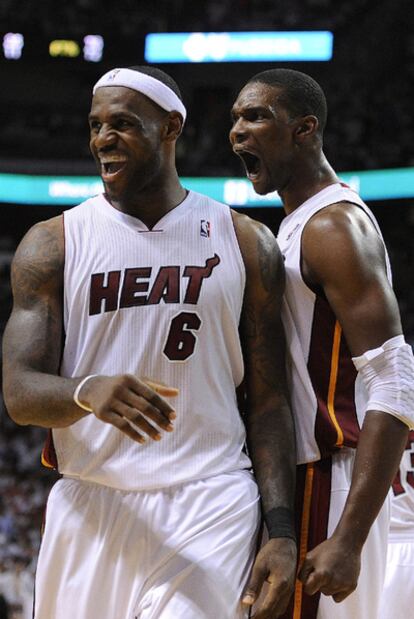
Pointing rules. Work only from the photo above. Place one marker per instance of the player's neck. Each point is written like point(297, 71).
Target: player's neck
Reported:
point(314, 176)
point(152, 203)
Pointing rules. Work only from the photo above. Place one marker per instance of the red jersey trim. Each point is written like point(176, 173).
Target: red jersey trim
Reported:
point(333, 375)
point(333, 378)
point(303, 537)
point(313, 492)
point(48, 456)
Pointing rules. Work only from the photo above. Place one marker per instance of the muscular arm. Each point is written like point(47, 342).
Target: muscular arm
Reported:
point(32, 348)
point(269, 424)
point(343, 254)
point(32, 344)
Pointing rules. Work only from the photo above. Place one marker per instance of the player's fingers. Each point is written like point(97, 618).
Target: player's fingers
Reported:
point(305, 571)
point(134, 404)
point(136, 418)
point(124, 426)
point(142, 390)
point(254, 586)
point(314, 582)
point(332, 586)
point(274, 603)
point(161, 388)
point(340, 597)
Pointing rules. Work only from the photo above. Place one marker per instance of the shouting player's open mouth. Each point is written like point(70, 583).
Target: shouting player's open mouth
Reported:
point(111, 166)
point(252, 164)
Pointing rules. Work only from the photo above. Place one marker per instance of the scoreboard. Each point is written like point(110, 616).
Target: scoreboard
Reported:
point(176, 47)
point(89, 48)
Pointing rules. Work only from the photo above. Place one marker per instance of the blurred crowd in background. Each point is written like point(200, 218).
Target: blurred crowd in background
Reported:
point(370, 126)
point(133, 16)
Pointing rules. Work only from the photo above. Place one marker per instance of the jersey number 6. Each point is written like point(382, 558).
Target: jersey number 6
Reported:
point(181, 340)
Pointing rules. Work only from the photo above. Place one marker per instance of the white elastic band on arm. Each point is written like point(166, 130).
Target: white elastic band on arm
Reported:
point(155, 90)
point(388, 375)
point(77, 392)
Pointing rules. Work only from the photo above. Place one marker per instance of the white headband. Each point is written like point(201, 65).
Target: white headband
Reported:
point(147, 85)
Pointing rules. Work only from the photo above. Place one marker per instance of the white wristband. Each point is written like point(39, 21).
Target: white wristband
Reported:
point(77, 391)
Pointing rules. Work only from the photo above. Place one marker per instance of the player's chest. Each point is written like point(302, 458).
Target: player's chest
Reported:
point(110, 281)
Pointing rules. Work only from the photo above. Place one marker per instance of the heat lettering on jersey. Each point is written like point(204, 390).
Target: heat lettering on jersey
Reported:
point(397, 486)
point(107, 294)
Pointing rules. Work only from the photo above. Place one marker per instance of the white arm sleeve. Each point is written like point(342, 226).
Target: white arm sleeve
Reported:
point(388, 375)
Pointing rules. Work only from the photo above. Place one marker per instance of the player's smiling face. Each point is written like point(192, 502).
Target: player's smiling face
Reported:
point(262, 135)
point(125, 130)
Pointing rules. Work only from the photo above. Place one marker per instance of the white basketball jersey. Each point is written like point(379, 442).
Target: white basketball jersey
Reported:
point(165, 304)
point(328, 400)
point(402, 511)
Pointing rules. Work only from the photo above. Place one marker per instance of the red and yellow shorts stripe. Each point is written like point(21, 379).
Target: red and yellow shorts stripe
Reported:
point(313, 492)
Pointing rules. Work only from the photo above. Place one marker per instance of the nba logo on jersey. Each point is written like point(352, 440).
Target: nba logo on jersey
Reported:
point(204, 228)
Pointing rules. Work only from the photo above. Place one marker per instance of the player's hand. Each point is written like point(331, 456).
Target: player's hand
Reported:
point(136, 407)
point(332, 568)
point(275, 564)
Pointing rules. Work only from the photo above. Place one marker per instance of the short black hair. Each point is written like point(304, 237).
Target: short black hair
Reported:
point(159, 75)
point(301, 95)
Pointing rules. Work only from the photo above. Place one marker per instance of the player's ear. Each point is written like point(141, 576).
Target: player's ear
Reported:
point(173, 126)
point(306, 127)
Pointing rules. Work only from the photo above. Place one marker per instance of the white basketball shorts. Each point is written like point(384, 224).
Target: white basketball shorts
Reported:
point(363, 603)
point(178, 553)
point(322, 489)
point(398, 594)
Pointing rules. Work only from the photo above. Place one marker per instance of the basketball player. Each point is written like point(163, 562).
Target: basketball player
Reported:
point(398, 594)
point(351, 372)
point(124, 340)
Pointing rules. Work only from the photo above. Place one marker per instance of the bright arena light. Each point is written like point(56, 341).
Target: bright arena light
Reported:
point(13, 43)
point(238, 46)
point(93, 47)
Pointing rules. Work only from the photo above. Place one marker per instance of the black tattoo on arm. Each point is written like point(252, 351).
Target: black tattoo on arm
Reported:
point(35, 265)
point(34, 332)
point(269, 423)
point(32, 343)
point(261, 324)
